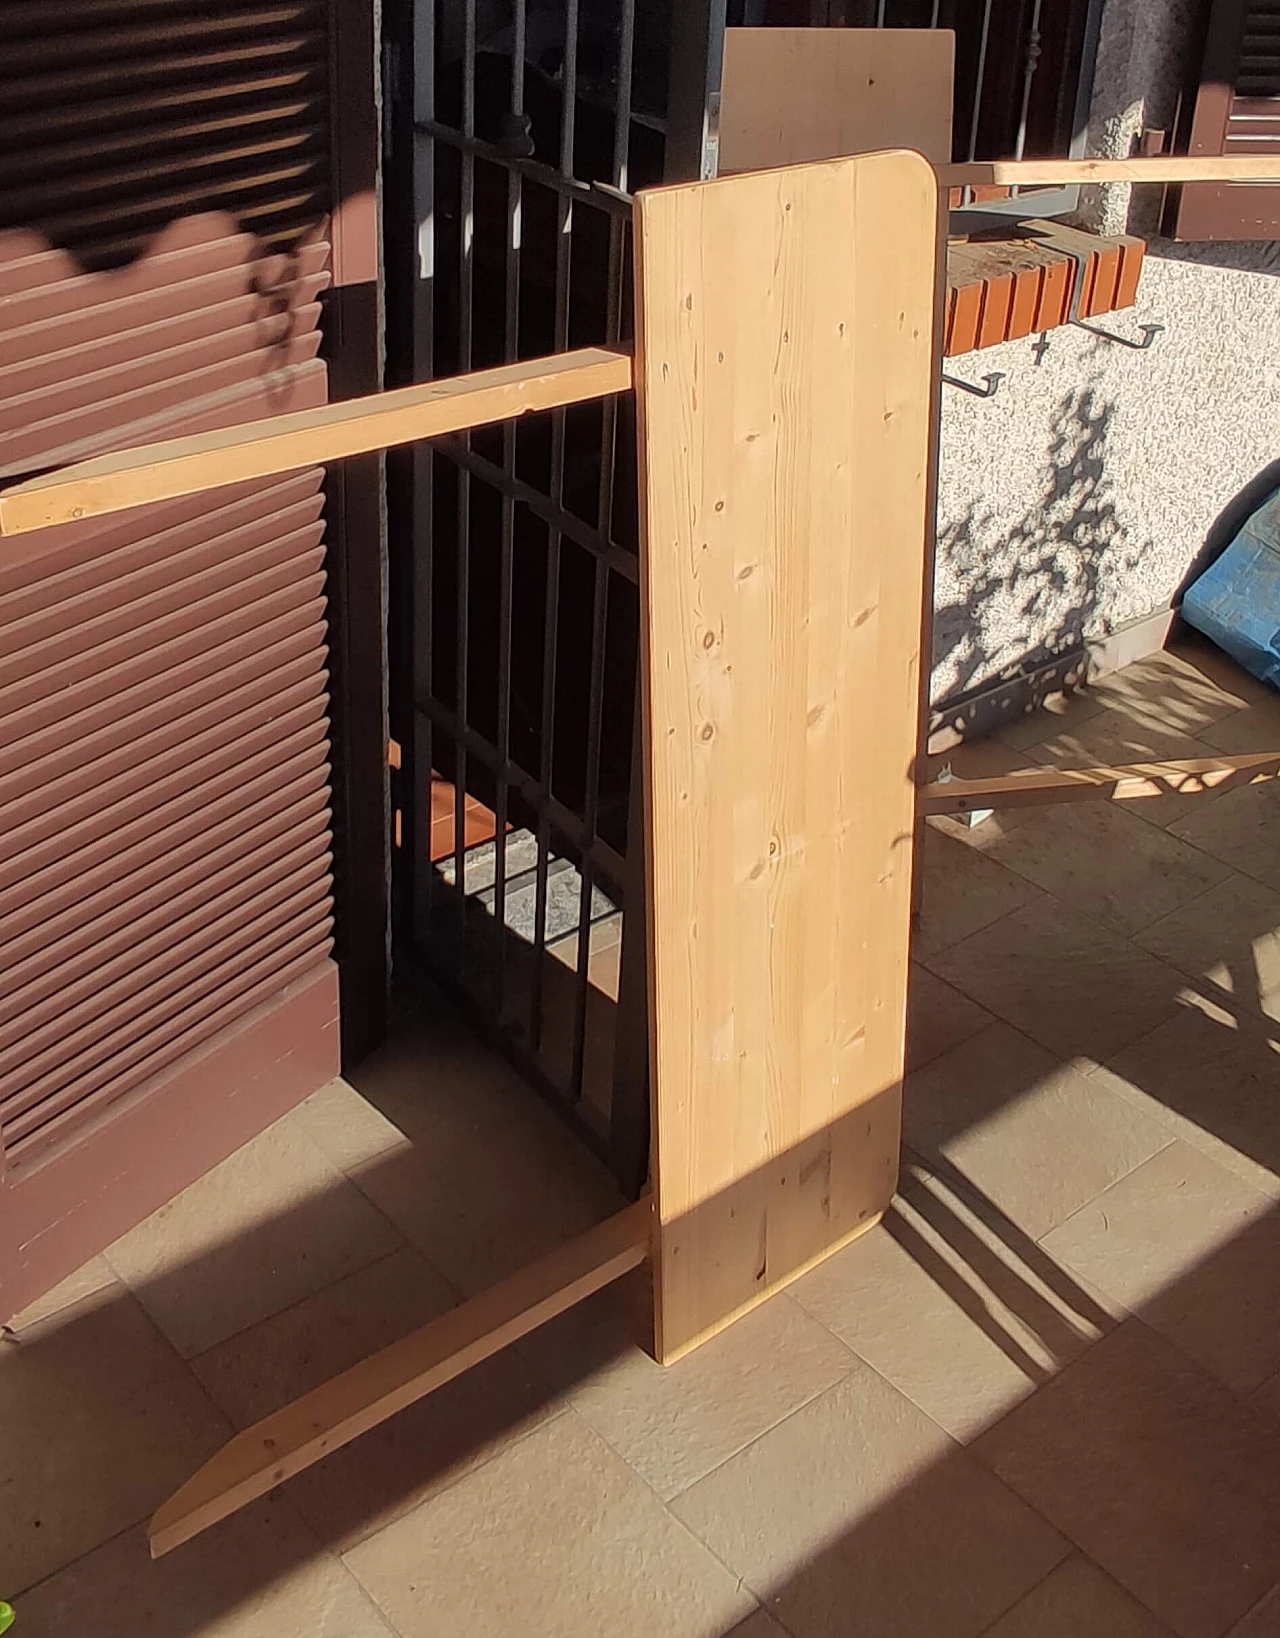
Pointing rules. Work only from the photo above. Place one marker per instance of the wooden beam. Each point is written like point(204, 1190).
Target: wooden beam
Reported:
point(346, 1406)
point(208, 460)
point(1041, 173)
point(1045, 787)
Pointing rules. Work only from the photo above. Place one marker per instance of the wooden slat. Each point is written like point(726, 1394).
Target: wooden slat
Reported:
point(259, 449)
point(790, 95)
point(1044, 787)
point(346, 1406)
point(1043, 173)
point(786, 341)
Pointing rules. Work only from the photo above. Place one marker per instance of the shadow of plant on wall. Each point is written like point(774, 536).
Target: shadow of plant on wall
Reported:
point(1056, 570)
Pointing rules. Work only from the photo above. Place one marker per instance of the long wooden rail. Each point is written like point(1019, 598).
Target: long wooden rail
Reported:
point(1045, 787)
point(1165, 169)
point(283, 443)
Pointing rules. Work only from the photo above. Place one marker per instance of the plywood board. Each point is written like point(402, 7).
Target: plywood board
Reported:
point(785, 344)
point(789, 95)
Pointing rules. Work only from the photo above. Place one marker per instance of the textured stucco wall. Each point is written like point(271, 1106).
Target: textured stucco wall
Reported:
point(1075, 501)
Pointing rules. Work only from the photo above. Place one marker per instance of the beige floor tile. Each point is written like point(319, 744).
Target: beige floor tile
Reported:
point(1036, 1136)
point(481, 1198)
point(963, 1321)
point(1255, 728)
point(346, 1127)
point(1242, 828)
point(1158, 1472)
point(1059, 714)
point(1229, 936)
point(1105, 861)
point(1121, 735)
point(1213, 1078)
point(259, 1575)
point(759, 1625)
point(389, 1470)
point(270, 1225)
point(938, 1017)
point(1217, 667)
point(557, 1536)
point(674, 1425)
point(1195, 1252)
point(95, 1282)
point(1181, 687)
point(1262, 1621)
point(1078, 1601)
point(1061, 978)
point(100, 1421)
point(962, 891)
point(859, 1515)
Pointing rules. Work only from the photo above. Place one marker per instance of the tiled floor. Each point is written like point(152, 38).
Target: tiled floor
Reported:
point(1042, 1400)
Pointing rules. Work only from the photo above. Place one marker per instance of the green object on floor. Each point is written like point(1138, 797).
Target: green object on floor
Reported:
point(7, 1616)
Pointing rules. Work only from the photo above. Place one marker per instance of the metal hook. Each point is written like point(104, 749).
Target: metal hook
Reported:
point(1149, 334)
point(991, 388)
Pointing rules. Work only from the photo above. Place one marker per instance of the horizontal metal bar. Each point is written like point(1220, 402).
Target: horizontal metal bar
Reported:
point(1045, 787)
point(611, 201)
point(607, 860)
point(1043, 173)
point(542, 506)
point(283, 443)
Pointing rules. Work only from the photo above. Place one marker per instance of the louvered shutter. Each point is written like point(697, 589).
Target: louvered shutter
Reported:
point(1237, 111)
point(166, 897)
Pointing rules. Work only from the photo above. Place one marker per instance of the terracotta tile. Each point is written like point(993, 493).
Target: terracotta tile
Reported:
point(270, 1225)
point(1158, 1472)
point(556, 1536)
point(1037, 1137)
point(101, 1421)
point(1058, 976)
point(859, 1515)
point(1122, 734)
point(94, 1283)
point(674, 1425)
point(258, 1575)
point(1195, 1252)
point(1107, 863)
point(1214, 1080)
point(1230, 936)
point(481, 1199)
point(389, 1470)
point(1262, 1621)
point(961, 892)
point(953, 1306)
point(1078, 1599)
point(938, 1017)
point(1242, 828)
point(345, 1127)
point(1174, 687)
point(1254, 728)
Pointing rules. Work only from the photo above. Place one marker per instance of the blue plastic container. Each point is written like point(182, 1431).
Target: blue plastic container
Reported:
point(1236, 601)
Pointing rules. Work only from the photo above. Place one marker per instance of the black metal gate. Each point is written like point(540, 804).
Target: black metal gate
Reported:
point(516, 131)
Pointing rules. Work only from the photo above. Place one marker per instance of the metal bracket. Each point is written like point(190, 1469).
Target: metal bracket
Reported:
point(990, 388)
point(1149, 334)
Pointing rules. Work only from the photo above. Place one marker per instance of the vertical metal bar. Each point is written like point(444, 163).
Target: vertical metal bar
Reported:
point(1084, 80)
point(424, 192)
point(695, 64)
point(880, 13)
point(604, 524)
point(937, 13)
point(511, 347)
point(466, 270)
point(1028, 80)
point(551, 623)
point(977, 90)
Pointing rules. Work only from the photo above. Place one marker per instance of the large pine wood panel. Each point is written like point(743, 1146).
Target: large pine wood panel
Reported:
point(785, 335)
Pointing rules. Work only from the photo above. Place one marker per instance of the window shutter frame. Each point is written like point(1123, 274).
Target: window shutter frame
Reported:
point(1218, 211)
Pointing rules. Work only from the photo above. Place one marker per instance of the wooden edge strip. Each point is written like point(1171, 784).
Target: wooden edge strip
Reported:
point(283, 443)
point(1042, 787)
point(348, 1405)
point(1024, 173)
